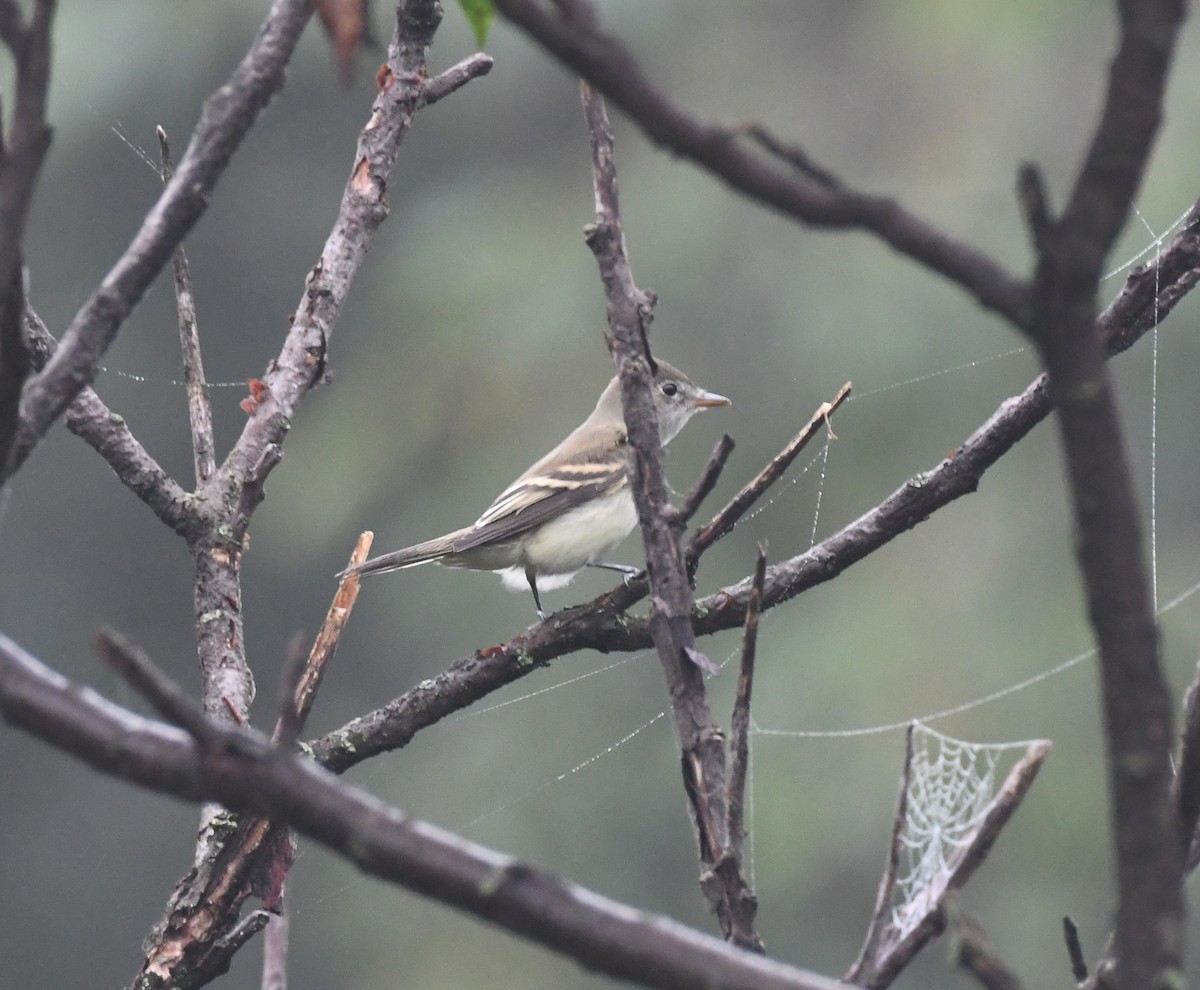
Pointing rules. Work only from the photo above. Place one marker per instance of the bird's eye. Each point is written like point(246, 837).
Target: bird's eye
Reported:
point(669, 389)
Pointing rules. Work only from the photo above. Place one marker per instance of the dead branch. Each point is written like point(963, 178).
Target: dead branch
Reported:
point(1137, 704)
point(701, 742)
point(240, 769)
point(227, 117)
point(199, 410)
point(571, 34)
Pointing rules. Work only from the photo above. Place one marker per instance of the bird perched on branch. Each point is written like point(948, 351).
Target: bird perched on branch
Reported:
point(570, 508)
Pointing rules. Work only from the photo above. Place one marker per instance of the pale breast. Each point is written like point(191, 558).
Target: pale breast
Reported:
point(581, 535)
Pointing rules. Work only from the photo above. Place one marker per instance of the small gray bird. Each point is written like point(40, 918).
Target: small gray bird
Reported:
point(570, 508)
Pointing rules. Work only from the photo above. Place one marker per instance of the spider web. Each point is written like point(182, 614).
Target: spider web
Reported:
point(951, 788)
point(949, 813)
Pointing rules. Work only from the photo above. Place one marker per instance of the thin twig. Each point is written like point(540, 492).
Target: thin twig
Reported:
point(199, 409)
point(706, 482)
point(298, 702)
point(793, 154)
point(739, 722)
point(1079, 966)
point(275, 950)
point(141, 673)
point(455, 78)
point(974, 954)
point(750, 493)
point(862, 971)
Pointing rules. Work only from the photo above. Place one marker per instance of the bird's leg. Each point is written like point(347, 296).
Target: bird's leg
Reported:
point(531, 577)
point(625, 569)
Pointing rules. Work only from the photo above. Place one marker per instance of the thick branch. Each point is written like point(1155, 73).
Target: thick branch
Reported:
point(243, 772)
point(1137, 702)
point(21, 154)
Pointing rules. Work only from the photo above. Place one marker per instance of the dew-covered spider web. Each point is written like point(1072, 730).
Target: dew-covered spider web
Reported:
point(950, 805)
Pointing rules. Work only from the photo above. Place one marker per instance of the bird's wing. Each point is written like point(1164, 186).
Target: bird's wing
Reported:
point(542, 494)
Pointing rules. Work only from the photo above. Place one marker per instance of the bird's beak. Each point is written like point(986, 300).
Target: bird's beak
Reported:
point(706, 400)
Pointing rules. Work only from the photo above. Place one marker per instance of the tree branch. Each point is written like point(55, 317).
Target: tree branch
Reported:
point(21, 153)
point(300, 364)
point(242, 771)
point(1150, 294)
point(1136, 699)
point(569, 32)
point(227, 116)
point(199, 410)
point(109, 435)
point(700, 741)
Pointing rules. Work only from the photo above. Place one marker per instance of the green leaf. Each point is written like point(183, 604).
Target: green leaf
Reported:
point(479, 14)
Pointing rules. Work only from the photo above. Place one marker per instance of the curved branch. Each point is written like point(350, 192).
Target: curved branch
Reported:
point(570, 34)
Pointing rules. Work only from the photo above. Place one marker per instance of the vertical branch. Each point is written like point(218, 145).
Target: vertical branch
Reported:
point(739, 723)
point(629, 309)
point(1136, 701)
point(735, 901)
point(21, 153)
point(199, 410)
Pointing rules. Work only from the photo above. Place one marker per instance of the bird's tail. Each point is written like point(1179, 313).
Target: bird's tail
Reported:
point(421, 553)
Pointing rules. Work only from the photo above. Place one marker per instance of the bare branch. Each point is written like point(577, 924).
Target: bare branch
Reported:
point(739, 723)
point(227, 116)
point(141, 673)
point(730, 893)
point(199, 410)
point(1079, 967)
point(455, 78)
point(275, 952)
point(109, 435)
point(21, 153)
point(706, 482)
point(300, 364)
point(975, 954)
point(753, 490)
point(244, 772)
point(701, 744)
point(862, 971)
point(1136, 700)
point(571, 35)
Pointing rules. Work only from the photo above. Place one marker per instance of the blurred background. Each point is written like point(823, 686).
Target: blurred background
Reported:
point(471, 343)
